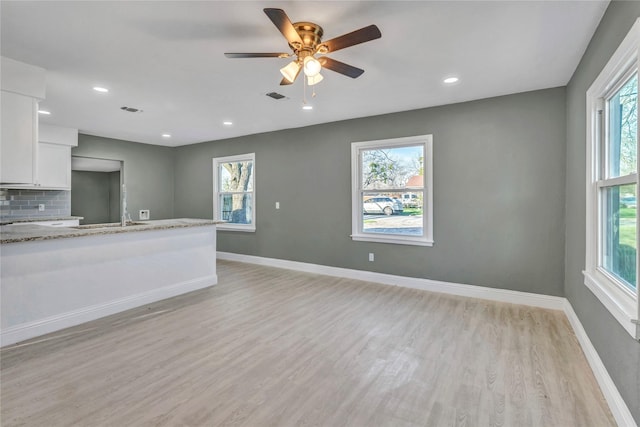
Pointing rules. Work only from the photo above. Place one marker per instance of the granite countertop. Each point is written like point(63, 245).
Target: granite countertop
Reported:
point(7, 221)
point(25, 232)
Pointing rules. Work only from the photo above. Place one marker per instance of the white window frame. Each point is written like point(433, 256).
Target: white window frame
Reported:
point(356, 196)
point(620, 301)
point(217, 161)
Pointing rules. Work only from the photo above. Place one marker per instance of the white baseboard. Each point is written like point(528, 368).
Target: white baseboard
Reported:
point(493, 294)
point(29, 330)
point(618, 407)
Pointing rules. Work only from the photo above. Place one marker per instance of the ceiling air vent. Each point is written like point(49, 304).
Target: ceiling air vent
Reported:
point(275, 95)
point(131, 109)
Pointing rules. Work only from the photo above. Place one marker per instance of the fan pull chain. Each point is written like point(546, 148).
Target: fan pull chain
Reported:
point(304, 89)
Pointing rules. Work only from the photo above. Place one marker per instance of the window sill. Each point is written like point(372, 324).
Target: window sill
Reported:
point(396, 240)
point(231, 227)
point(620, 305)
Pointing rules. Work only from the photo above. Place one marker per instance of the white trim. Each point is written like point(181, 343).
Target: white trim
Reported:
point(619, 305)
point(230, 159)
point(237, 227)
point(39, 327)
point(356, 202)
point(618, 181)
point(392, 238)
point(623, 306)
point(616, 403)
point(494, 294)
point(618, 407)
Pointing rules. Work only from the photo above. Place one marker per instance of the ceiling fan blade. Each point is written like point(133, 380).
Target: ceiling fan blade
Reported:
point(353, 38)
point(282, 21)
point(258, 55)
point(340, 67)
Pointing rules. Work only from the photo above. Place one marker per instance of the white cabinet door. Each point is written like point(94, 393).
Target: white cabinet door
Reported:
point(54, 166)
point(19, 138)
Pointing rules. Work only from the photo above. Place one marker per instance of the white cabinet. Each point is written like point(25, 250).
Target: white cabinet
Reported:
point(54, 166)
point(22, 86)
point(19, 136)
point(54, 156)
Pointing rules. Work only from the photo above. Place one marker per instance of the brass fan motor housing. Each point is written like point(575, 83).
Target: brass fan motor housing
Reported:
point(311, 35)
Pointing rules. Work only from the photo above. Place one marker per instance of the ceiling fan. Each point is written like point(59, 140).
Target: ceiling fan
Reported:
point(305, 40)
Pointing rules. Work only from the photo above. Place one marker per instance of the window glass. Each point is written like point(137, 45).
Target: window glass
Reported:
point(619, 227)
point(622, 123)
point(395, 169)
point(236, 176)
point(236, 208)
point(385, 168)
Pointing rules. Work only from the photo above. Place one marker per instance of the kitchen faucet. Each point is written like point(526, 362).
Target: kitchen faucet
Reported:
point(125, 215)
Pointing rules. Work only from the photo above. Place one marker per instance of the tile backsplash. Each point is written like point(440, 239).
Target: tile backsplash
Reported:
point(23, 203)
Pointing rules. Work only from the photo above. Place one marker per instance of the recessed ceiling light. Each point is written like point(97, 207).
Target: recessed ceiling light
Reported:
point(100, 89)
point(450, 80)
point(227, 123)
point(307, 107)
point(45, 112)
point(166, 135)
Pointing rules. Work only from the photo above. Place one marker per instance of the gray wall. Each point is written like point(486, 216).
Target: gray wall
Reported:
point(498, 197)
point(95, 196)
point(148, 172)
point(617, 349)
point(90, 197)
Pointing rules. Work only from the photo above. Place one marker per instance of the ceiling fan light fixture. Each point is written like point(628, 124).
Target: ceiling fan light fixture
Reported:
point(290, 71)
point(312, 66)
point(314, 80)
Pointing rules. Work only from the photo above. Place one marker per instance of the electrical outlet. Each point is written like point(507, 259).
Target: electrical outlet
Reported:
point(143, 214)
point(371, 256)
point(277, 205)
point(41, 207)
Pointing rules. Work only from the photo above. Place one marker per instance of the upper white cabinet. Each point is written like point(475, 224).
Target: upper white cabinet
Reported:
point(54, 156)
point(32, 155)
point(22, 87)
point(19, 136)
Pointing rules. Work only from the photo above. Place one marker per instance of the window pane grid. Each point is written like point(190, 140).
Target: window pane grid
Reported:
point(611, 256)
point(618, 231)
point(389, 184)
point(234, 191)
point(621, 180)
point(618, 244)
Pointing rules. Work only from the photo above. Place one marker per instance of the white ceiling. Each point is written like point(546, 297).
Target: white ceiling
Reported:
point(166, 58)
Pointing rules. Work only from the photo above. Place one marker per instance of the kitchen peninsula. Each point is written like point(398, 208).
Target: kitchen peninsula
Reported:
point(56, 277)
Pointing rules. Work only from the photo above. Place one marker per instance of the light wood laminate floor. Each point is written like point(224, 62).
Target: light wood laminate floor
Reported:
point(272, 347)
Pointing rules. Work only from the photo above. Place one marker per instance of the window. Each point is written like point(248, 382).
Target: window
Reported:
point(392, 191)
point(234, 192)
point(612, 184)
